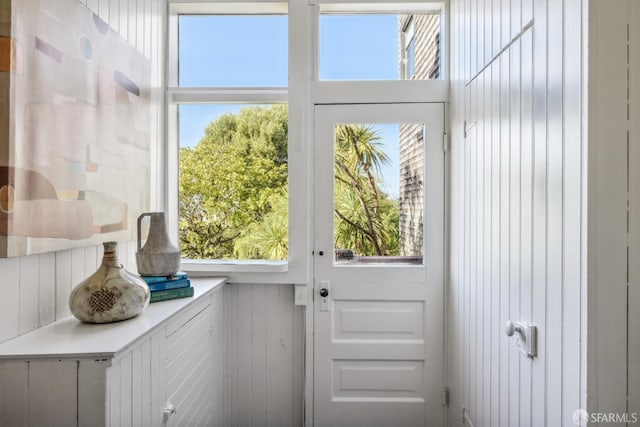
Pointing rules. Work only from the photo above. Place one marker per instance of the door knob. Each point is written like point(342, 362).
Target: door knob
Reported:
point(324, 292)
point(510, 328)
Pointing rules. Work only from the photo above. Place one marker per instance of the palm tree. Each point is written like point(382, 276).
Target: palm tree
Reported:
point(361, 209)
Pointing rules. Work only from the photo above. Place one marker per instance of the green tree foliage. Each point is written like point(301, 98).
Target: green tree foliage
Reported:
point(228, 181)
point(366, 220)
point(233, 190)
point(268, 239)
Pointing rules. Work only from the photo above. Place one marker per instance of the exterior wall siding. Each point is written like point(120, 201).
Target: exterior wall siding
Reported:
point(517, 211)
point(411, 197)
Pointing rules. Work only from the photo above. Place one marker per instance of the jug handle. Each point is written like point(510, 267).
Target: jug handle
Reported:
point(139, 227)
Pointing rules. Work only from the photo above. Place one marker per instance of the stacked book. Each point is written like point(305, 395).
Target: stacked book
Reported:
point(169, 287)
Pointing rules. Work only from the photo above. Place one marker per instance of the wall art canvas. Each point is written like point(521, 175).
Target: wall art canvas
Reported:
point(74, 129)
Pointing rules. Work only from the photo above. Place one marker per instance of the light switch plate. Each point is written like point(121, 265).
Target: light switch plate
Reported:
point(301, 295)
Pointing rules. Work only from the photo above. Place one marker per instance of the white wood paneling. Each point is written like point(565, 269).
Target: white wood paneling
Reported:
point(14, 389)
point(63, 283)
point(10, 301)
point(51, 382)
point(517, 208)
point(47, 292)
point(264, 356)
point(92, 392)
point(29, 266)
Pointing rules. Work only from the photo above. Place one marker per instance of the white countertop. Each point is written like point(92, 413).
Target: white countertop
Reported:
point(70, 338)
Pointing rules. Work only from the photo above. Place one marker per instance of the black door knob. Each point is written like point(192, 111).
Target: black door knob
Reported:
point(324, 292)
point(321, 253)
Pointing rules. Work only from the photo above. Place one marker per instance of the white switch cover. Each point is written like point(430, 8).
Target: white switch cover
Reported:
point(300, 295)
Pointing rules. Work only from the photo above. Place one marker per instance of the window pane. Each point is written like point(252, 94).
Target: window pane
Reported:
point(233, 50)
point(233, 197)
point(376, 47)
point(378, 193)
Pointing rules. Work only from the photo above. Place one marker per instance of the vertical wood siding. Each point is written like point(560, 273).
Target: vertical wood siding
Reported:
point(264, 345)
point(36, 288)
point(516, 210)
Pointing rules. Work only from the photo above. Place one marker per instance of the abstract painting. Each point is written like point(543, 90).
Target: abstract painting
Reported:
point(74, 129)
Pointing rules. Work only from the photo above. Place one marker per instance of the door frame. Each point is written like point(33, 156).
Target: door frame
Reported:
point(310, 289)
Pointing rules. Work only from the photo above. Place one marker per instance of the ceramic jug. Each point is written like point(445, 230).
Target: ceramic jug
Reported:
point(158, 257)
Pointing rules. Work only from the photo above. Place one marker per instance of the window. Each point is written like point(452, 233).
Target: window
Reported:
point(233, 198)
point(379, 46)
point(232, 50)
point(230, 107)
point(243, 83)
point(408, 53)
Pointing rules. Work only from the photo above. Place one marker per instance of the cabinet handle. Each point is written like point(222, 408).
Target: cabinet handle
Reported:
point(169, 410)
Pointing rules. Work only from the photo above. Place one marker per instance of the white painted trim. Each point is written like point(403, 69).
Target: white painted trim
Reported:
point(233, 266)
point(584, 255)
point(173, 163)
point(196, 95)
point(379, 92)
point(368, 6)
point(257, 7)
point(172, 49)
point(445, 48)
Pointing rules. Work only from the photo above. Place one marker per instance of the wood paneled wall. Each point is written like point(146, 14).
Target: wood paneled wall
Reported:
point(517, 211)
point(264, 356)
point(36, 288)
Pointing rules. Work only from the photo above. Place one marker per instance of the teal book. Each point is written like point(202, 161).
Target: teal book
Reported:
point(171, 294)
point(169, 284)
point(156, 279)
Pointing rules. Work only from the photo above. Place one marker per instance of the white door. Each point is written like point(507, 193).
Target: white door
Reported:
point(379, 254)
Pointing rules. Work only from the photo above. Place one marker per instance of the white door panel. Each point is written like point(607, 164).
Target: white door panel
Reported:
point(378, 338)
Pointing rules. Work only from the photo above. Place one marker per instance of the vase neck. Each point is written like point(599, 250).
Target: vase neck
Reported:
point(110, 257)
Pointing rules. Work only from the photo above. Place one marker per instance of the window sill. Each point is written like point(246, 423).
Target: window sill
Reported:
point(233, 266)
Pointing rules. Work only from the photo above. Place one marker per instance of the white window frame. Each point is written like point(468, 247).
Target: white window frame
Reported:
point(304, 91)
point(295, 269)
point(408, 37)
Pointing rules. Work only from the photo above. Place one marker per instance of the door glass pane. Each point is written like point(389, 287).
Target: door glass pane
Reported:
point(378, 193)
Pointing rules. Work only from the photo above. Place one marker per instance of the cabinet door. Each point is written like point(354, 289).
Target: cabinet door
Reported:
point(190, 369)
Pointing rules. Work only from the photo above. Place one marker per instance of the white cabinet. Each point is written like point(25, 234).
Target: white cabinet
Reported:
point(164, 367)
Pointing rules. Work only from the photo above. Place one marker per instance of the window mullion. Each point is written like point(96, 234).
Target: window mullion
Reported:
point(181, 95)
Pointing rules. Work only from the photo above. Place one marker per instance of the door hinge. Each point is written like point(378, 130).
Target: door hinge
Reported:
point(445, 142)
point(445, 396)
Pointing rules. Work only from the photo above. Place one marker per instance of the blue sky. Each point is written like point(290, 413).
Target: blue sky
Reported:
point(214, 51)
